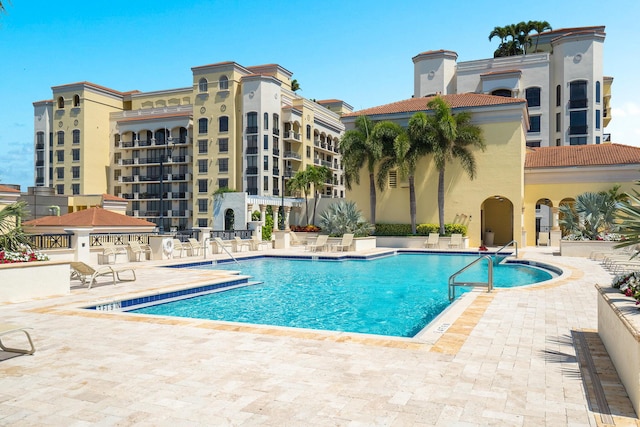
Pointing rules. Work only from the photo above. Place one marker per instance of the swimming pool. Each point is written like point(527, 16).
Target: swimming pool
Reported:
point(396, 295)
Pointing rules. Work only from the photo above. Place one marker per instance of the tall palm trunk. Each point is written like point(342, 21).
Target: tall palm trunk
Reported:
point(372, 197)
point(412, 203)
point(441, 200)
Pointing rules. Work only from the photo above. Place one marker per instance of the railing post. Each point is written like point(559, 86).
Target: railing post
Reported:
point(81, 243)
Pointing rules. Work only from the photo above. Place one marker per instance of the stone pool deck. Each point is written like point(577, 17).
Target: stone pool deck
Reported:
point(520, 357)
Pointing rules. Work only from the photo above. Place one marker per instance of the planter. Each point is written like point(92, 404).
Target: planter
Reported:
point(27, 280)
point(619, 330)
point(364, 243)
point(584, 248)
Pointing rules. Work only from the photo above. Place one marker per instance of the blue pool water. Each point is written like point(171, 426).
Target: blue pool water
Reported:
point(397, 295)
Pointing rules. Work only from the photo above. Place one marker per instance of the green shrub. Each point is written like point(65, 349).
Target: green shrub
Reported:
point(393, 229)
point(450, 229)
point(421, 229)
point(425, 229)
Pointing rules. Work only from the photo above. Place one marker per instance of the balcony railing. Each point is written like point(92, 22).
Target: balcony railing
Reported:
point(292, 135)
point(252, 150)
point(252, 129)
point(276, 131)
point(252, 191)
point(276, 191)
point(252, 170)
point(40, 180)
point(40, 146)
point(578, 103)
point(50, 241)
point(276, 171)
point(578, 130)
point(39, 162)
point(292, 155)
point(276, 152)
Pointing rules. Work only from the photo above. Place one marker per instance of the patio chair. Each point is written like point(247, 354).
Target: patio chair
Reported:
point(8, 328)
point(87, 274)
point(195, 246)
point(109, 249)
point(345, 243)
point(178, 248)
point(433, 241)
point(138, 251)
point(221, 245)
point(543, 239)
point(238, 244)
point(256, 244)
point(456, 241)
point(296, 240)
point(320, 243)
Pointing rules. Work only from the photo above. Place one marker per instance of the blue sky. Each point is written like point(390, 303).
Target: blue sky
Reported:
point(352, 50)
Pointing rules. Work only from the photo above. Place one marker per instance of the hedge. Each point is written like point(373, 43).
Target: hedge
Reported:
point(421, 229)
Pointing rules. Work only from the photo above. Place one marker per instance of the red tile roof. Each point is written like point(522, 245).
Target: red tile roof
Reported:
point(113, 198)
point(90, 217)
point(6, 189)
point(582, 155)
point(461, 100)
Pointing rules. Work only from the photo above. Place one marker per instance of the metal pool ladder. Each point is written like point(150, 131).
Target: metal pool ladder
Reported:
point(488, 284)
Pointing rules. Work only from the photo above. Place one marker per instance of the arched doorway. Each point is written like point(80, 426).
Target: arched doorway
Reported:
point(229, 220)
point(544, 218)
point(497, 221)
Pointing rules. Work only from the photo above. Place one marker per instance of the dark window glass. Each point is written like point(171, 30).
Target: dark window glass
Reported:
point(223, 124)
point(578, 94)
point(223, 145)
point(203, 125)
point(533, 96)
point(534, 123)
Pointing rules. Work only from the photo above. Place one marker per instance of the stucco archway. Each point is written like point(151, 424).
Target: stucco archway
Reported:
point(497, 221)
point(229, 220)
point(544, 217)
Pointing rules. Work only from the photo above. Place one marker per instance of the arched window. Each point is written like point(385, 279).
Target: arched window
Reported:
point(229, 220)
point(203, 125)
point(223, 124)
point(252, 122)
point(266, 121)
point(308, 131)
point(533, 96)
point(598, 92)
point(203, 85)
point(223, 83)
point(76, 100)
point(502, 92)
point(76, 136)
point(60, 102)
point(558, 96)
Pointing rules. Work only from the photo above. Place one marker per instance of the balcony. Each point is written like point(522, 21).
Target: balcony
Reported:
point(292, 136)
point(276, 152)
point(578, 130)
point(292, 155)
point(276, 191)
point(252, 191)
point(276, 171)
point(39, 162)
point(578, 103)
point(40, 146)
point(252, 150)
point(40, 180)
point(252, 170)
point(251, 129)
point(276, 131)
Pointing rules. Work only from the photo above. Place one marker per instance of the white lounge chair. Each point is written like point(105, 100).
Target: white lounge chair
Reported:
point(109, 249)
point(345, 243)
point(296, 240)
point(433, 241)
point(320, 243)
point(456, 241)
point(257, 244)
point(87, 274)
point(8, 328)
point(543, 239)
point(178, 248)
point(194, 246)
point(238, 244)
point(138, 251)
point(221, 245)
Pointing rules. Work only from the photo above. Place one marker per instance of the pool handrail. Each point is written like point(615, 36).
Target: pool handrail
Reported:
point(515, 244)
point(488, 284)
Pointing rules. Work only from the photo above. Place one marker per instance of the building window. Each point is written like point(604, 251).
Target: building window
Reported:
point(60, 156)
point(558, 122)
point(75, 188)
point(203, 146)
point(533, 96)
point(202, 222)
point(203, 85)
point(223, 165)
point(60, 173)
point(223, 124)
point(75, 153)
point(558, 142)
point(308, 152)
point(223, 83)
point(60, 137)
point(578, 122)
point(252, 185)
point(308, 131)
point(265, 183)
point(203, 125)
point(265, 142)
point(266, 121)
point(597, 119)
point(578, 140)
point(276, 124)
point(532, 144)
point(534, 124)
point(76, 137)
point(265, 163)
point(60, 102)
point(40, 140)
point(223, 183)
point(203, 166)
point(598, 92)
point(60, 189)
point(252, 144)
point(202, 185)
point(75, 172)
point(597, 140)
point(578, 94)
point(223, 145)
point(252, 122)
point(502, 92)
point(202, 205)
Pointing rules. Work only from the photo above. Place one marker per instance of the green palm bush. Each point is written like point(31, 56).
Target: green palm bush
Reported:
point(344, 217)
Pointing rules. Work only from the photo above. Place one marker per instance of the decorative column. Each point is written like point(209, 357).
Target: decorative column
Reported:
point(263, 213)
point(556, 234)
point(555, 214)
point(275, 219)
point(287, 211)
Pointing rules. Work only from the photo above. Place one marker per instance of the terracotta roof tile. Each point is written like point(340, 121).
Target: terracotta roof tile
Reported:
point(582, 155)
point(113, 198)
point(90, 217)
point(7, 189)
point(455, 101)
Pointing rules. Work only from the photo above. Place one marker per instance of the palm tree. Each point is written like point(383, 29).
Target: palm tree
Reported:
point(295, 86)
point(12, 237)
point(539, 27)
point(499, 32)
point(359, 148)
point(451, 136)
point(592, 214)
point(317, 175)
point(300, 182)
